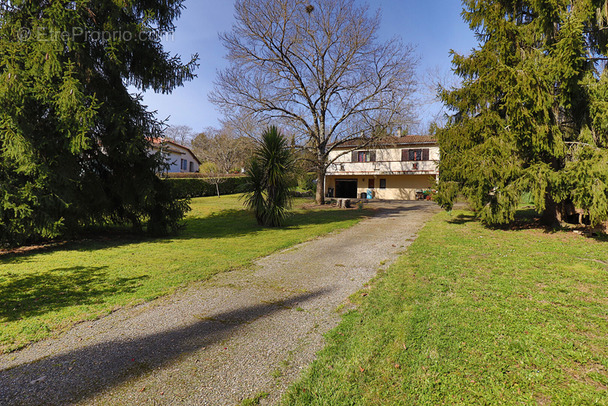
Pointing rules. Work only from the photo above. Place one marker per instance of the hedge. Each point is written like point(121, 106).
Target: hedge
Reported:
point(198, 187)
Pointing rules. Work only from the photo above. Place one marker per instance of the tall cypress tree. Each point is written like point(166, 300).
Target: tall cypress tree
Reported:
point(73, 140)
point(530, 112)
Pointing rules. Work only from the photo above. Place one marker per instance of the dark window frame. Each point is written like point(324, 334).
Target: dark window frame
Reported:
point(363, 156)
point(415, 154)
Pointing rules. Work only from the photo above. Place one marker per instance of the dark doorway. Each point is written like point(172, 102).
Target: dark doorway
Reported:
point(346, 188)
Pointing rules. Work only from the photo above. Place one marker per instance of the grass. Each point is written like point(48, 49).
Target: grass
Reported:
point(473, 316)
point(255, 400)
point(45, 291)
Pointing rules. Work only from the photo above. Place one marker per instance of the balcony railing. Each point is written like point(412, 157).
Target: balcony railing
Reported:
point(379, 168)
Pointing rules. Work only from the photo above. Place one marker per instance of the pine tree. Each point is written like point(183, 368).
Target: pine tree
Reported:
point(73, 141)
point(530, 112)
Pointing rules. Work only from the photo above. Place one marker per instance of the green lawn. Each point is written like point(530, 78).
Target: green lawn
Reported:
point(474, 316)
point(47, 291)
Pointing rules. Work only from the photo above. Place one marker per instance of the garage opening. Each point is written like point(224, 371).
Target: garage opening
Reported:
point(346, 188)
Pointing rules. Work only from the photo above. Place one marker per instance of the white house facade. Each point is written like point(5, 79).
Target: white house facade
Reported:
point(397, 168)
point(179, 159)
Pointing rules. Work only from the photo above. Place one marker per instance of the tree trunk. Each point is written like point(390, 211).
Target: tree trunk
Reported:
point(320, 195)
point(552, 216)
point(135, 222)
point(217, 188)
point(321, 162)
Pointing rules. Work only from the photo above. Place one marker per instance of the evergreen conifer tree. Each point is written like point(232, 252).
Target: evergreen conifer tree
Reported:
point(74, 142)
point(530, 114)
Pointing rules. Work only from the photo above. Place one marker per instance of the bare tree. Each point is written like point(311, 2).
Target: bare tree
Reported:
point(223, 147)
point(182, 134)
point(223, 150)
point(317, 66)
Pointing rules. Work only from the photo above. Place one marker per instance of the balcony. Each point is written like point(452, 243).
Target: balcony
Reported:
point(383, 168)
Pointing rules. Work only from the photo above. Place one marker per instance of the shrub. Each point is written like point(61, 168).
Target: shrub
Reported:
point(269, 176)
point(199, 187)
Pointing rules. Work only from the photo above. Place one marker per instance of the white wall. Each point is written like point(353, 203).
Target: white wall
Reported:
point(388, 161)
point(173, 158)
point(385, 154)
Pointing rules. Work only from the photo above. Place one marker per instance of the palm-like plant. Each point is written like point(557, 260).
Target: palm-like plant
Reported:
point(268, 177)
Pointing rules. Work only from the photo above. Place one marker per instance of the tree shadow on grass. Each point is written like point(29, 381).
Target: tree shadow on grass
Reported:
point(84, 372)
point(237, 223)
point(316, 217)
point(29, 295)
point(83, 245)
point(225, 223)
point(525, 219)
point(222, 224)
point(463, 219)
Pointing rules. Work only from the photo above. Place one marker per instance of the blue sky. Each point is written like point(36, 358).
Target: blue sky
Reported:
point(433, 27)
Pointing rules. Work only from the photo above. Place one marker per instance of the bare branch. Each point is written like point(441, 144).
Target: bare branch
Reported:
point(319, 70)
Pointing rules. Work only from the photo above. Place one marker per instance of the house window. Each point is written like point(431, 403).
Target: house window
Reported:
point(415, 154)
point(184, 165)
point(382, 183)
point(191, 166)
point(364, 156)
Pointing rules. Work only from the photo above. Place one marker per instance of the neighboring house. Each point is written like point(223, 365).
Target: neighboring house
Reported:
point(178, 158)
point(395, 168)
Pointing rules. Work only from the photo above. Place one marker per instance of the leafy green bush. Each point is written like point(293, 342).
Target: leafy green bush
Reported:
point(199, 187)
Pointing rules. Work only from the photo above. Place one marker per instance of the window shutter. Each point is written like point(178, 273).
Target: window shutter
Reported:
point(372, 156)
point(405, 154)
point(354, 157)
point(425, 154)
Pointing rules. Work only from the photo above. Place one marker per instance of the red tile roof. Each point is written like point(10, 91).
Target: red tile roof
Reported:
point(391, 141)
point(157, 142)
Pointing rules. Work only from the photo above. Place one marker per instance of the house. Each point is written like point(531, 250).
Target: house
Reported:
point(178, 158)
point(394, 168)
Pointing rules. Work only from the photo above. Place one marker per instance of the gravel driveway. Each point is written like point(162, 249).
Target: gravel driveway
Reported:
point(221, 341)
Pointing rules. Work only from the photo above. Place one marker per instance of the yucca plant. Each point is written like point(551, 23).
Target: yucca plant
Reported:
point(268, 179)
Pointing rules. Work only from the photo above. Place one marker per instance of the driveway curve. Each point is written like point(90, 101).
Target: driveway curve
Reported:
point(238, 335)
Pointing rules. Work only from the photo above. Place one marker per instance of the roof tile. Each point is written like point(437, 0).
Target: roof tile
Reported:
point(391, 141)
